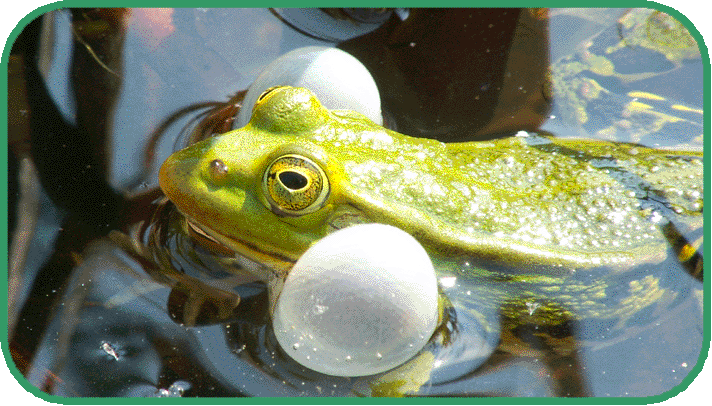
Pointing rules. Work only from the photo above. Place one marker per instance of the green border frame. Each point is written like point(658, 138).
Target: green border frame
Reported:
point(682, 386)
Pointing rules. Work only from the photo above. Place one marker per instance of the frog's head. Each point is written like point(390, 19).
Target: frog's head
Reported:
point(265, 190)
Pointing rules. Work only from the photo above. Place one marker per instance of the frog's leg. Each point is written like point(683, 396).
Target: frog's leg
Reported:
point(688, 252)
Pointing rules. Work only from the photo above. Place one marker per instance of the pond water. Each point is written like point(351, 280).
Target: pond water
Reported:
point(102, 274)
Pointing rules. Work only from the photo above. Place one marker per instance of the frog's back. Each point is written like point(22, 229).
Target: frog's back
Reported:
point(520, 199)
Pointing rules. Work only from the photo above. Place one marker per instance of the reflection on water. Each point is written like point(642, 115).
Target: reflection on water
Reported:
point(623, 83)
point(118, 297)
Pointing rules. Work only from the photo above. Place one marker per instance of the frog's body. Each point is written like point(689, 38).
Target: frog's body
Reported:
point(552, 208)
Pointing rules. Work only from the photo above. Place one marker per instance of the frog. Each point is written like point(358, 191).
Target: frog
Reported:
point(562, 221)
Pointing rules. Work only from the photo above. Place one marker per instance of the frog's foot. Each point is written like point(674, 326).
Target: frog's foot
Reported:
point(193, 304)
point(689, 253)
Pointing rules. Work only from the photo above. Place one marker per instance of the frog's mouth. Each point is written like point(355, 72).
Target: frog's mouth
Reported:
point(230, 246)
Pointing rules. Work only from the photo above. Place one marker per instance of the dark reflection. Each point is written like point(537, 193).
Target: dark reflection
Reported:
point(71, 158)
point(332, 25)
point(97, 77)
point(460, 74)
point(119, 296)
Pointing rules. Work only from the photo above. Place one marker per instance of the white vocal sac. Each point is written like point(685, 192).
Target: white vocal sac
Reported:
point(361, 301)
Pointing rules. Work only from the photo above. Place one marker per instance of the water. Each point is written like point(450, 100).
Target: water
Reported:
point(98, 317)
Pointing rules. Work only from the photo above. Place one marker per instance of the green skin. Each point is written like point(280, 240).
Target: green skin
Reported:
point(533, 203)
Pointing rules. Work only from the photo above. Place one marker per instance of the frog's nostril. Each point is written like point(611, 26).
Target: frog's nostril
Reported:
point(218, 170)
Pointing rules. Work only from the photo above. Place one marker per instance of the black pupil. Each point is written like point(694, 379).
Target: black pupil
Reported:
point(293, 180)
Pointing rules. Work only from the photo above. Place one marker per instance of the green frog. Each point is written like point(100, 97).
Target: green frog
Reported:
point(552, 227)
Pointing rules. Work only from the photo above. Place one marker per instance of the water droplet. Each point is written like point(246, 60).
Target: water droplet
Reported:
point(655, 217)
point(448, 281)
point(531, 307)
point(692, 195)
point(379, 356)
point(296, 346)
point(319, 309)
point(110, 350)
point(348, 358)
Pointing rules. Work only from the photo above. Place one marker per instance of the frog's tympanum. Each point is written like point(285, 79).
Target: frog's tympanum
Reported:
point(554, 229)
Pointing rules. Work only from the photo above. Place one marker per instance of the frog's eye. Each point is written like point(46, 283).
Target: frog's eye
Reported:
point(295, 185)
